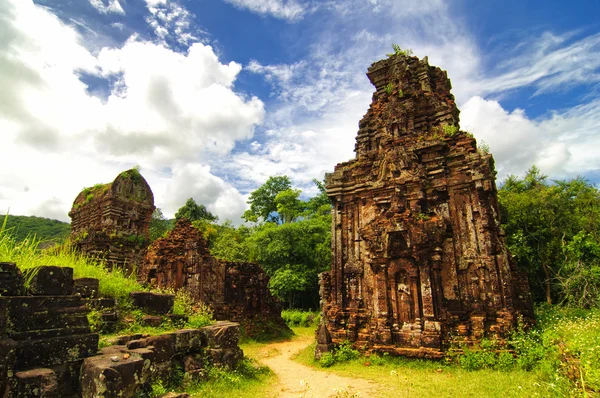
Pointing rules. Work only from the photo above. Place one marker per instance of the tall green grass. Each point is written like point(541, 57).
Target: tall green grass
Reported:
point(294, 317)
point(29, 258)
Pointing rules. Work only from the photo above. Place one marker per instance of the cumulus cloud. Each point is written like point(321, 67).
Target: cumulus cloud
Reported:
point(290, 10)
point(562, 145)
point(190, 94)
point(322, 97)
point(165, 109)
point(196, 181)
point(113, 6)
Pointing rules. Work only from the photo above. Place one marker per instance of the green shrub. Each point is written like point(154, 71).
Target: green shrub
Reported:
point(399, 51)
point(345, 352)
point(342, 353)
point(389, 88)
point(450, 130)
point(327, 359)
point(300, 318)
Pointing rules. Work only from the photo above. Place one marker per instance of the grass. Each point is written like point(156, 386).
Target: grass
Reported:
point(294, 318)
point(248, 380)
point(28, 258)
point(559, 357)
point(399, 376)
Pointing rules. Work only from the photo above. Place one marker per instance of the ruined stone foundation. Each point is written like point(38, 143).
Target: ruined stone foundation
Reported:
point(235, 291)
point(111, 221)
point(418, 253)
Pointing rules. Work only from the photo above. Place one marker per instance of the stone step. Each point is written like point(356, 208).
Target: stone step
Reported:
point(55, 350)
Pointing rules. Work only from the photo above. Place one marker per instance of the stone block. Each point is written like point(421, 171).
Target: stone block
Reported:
point(12, 282)
point(8, 349)
point(55, 351)
point(104, 377)
point(52, 281)
point(222, 334)
point(225, 357)
point(86, 287)
point(189, 340)
point(163, 347)
point(34, 317)
point(153, 303)
point(38, 382)
point(152, 320)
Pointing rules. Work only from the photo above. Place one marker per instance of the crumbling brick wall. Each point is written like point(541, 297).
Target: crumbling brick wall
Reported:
point(418, 253)
point(235, 291)
point(111, 221)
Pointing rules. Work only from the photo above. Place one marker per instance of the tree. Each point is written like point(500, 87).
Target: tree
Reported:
point(194, 212)
point(304, 244)
point(286, 283)
point(319, 204)
point(262, 201)
point(232, 244)
point(159, 225)
point(541, 219)
point(289, 206)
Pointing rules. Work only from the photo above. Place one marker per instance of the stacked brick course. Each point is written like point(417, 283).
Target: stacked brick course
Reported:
point(418, 254)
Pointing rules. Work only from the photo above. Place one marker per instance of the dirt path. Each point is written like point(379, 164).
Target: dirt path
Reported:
point(296, 380)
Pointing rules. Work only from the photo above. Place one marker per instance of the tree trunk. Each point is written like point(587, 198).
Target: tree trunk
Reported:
point(547, 275)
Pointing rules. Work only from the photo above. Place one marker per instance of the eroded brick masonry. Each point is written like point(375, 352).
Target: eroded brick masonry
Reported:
point(418, 253)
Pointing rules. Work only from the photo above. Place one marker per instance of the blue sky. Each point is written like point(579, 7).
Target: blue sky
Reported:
point(211, 97)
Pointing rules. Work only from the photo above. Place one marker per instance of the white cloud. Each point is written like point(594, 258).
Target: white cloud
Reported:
point(549, 63)
point(113, 6)
point(196, 181)
point(562, 145)
point(322, 97)
point(171, 21)
point(190, 94)
point(290, 10)
point(166, 109)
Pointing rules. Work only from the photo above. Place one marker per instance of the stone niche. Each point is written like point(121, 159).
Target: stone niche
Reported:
point(418, 253)
point(235, 291)
point(111, 221)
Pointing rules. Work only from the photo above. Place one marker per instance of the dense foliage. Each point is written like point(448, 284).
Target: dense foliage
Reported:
point(553, 232)
point(194, 212)
point(159, 225)
point(289, 237)
point(45, 230)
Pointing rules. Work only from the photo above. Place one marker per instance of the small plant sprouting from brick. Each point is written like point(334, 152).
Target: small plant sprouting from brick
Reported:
point(399, 51)
point(484, 147)
point(389, 88)
point(400, 93)
point(450, 130)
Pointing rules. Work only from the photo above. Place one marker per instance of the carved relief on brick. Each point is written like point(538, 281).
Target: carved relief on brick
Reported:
point(418, 253)
point(111, 221)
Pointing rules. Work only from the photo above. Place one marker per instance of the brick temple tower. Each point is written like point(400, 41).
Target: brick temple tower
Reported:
point(418, 253)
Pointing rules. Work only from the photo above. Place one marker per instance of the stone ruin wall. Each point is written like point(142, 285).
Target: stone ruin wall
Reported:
point(48, 350)
point(234, 290)
point(418, 253)
point(111, 221)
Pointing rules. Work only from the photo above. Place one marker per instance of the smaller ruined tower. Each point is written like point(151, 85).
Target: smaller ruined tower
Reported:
point(235, 291)
point(111, 221)
point(417, 250)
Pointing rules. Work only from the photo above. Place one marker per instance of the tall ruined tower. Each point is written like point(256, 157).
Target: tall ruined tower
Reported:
point(418, 254)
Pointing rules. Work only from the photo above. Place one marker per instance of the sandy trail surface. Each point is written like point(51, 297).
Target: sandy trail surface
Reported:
point(297, 380)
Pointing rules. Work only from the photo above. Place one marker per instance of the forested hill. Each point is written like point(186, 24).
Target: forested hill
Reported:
point(45, 229)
